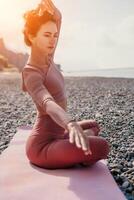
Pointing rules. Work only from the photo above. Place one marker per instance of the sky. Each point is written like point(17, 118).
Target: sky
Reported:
point(95, 34)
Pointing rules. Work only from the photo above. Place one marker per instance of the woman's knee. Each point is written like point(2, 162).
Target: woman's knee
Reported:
point(99, 147)
point(105, 148)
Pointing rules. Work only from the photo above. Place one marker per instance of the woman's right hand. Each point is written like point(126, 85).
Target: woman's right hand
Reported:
point(76, 135)
point(46, 5)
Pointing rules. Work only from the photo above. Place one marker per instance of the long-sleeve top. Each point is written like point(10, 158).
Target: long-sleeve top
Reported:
point(46, 86)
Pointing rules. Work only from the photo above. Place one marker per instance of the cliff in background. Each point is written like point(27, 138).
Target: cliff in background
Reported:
point(14, 59)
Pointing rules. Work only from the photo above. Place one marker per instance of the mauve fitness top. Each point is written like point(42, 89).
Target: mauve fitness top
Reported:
point(46, 86)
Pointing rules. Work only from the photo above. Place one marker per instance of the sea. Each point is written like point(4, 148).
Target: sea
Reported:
point(117, 73)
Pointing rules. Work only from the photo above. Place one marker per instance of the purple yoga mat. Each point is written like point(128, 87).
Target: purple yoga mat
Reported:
point(20, 180)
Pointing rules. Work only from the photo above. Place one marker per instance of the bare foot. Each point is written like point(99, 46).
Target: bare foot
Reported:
point(89, 132)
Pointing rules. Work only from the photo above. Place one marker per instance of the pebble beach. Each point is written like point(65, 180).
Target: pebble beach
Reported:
point(110, 101)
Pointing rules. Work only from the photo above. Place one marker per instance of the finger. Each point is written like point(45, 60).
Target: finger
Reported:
point(71, 136)
point(83, 142)
point(45, 7)
point(77, 140)
point(42, 8)
point(88, 147)
point(88, 152)
point(82, 139)
point(51, 4)
point(50, 8)
point(48, 5)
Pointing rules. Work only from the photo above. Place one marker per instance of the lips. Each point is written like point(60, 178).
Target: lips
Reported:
point(51, 47)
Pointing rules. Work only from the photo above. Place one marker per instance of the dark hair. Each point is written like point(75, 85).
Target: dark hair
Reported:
point(33, 23)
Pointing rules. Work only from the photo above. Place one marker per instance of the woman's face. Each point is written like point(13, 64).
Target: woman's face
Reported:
point(46, 38)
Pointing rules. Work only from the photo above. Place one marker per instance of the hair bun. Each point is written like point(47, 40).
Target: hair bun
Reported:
point(30, 14)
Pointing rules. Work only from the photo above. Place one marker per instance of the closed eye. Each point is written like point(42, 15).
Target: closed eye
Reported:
point(49, 35)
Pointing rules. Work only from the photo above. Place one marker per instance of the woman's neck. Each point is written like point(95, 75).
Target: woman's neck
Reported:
point(38, 59)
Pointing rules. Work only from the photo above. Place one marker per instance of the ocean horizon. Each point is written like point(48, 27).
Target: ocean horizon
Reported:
point(108, 73)
point(117, 73)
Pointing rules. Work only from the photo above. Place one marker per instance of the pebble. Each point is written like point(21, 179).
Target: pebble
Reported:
point(110, 101)
point(125, 184)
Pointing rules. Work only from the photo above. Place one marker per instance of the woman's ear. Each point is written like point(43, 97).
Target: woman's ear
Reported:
point(31, 38)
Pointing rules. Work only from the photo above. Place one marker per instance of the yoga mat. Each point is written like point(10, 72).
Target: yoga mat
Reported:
point(20, 180)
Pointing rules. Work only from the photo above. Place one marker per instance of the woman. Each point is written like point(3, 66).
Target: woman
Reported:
point(56, 141)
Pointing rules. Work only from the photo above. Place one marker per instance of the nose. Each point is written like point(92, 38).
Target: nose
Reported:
point(52, 41)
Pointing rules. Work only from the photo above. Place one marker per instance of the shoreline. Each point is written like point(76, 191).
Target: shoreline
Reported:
point(14, 74)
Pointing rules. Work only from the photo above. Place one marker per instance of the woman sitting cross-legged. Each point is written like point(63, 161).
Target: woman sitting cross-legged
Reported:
point(56, 140)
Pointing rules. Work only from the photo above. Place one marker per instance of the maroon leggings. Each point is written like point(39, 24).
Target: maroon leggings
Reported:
point(48, 145)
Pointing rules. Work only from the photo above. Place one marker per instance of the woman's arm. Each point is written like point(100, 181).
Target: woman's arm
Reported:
point(34, 84)
point(58, 22)
point(47, 5)
point(58, 18)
